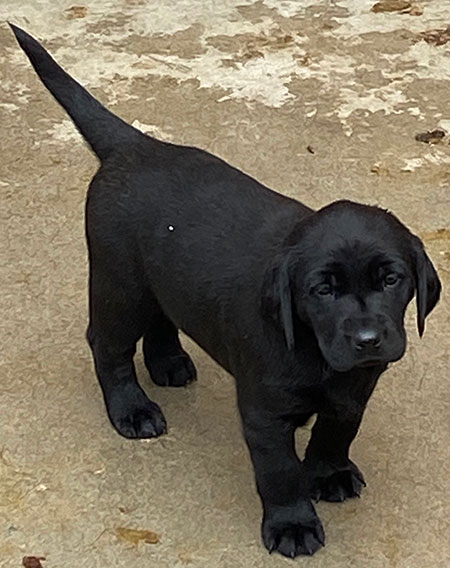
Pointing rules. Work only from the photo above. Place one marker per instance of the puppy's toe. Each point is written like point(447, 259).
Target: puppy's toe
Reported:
point(142, 423)
point(338, 485)
point(293, 531)
point(138, 417)
point(295, 540)
point(174, 371)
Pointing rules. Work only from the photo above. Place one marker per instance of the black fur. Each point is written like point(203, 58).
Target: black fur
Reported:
point(304, 308)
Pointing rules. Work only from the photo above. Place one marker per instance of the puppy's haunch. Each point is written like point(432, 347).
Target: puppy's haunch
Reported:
point(304, 308)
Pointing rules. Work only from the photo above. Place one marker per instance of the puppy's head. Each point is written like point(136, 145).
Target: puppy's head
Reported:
point(348, 272)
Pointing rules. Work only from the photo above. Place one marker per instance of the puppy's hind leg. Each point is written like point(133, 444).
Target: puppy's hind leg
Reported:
point(116, 324)
point(165, 359)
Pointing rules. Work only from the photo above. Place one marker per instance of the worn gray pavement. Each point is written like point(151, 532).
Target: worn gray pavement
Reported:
point(318, 99)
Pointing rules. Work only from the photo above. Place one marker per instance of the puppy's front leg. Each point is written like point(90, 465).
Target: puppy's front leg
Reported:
point(290, 523)
point(332, 475)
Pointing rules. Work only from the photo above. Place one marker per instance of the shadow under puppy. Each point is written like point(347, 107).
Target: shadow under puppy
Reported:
point(305, 308)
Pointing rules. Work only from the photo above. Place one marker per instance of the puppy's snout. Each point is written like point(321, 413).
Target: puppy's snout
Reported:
point(367, 340)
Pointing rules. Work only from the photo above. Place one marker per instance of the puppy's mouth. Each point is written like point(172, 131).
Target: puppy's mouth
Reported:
point(370, 363)
point(367, 364)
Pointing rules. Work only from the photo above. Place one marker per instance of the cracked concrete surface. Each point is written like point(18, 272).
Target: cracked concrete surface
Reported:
point(255, 82)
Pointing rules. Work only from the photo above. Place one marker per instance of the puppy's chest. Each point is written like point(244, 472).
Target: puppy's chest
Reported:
point(316, 389)
point(344, 396)
point(304, 388)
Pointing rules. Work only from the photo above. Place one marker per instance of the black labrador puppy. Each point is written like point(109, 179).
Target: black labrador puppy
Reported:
point(305, 308)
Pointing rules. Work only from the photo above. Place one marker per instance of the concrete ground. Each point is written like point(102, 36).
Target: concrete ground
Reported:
point(318, 99)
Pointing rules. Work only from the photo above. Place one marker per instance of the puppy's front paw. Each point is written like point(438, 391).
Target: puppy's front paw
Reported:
point(328, 483)
point(134, 415)
point(173, 371)
point(293, 531)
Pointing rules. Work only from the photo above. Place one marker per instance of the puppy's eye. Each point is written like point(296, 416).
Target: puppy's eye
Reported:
point(390, 280)
point(324, 289)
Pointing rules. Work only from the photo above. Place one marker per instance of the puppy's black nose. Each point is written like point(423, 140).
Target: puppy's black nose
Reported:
point(367, 339)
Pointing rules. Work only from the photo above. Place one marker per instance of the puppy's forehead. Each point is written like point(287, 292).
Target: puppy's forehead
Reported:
point(347, 225)
point(355, 236)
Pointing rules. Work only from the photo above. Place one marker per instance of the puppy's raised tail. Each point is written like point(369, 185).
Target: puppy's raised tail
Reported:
point(102, 130)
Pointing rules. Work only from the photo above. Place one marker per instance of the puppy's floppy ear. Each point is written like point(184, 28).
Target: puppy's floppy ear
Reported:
point(277, 296)
point(428, 286)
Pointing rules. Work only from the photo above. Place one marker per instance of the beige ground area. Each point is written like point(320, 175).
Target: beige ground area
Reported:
point(319, 99)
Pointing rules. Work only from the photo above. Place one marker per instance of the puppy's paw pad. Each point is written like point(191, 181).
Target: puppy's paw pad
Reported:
point(175, 371)
point(141, 421)
point(338, 486)
point(294, 539)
